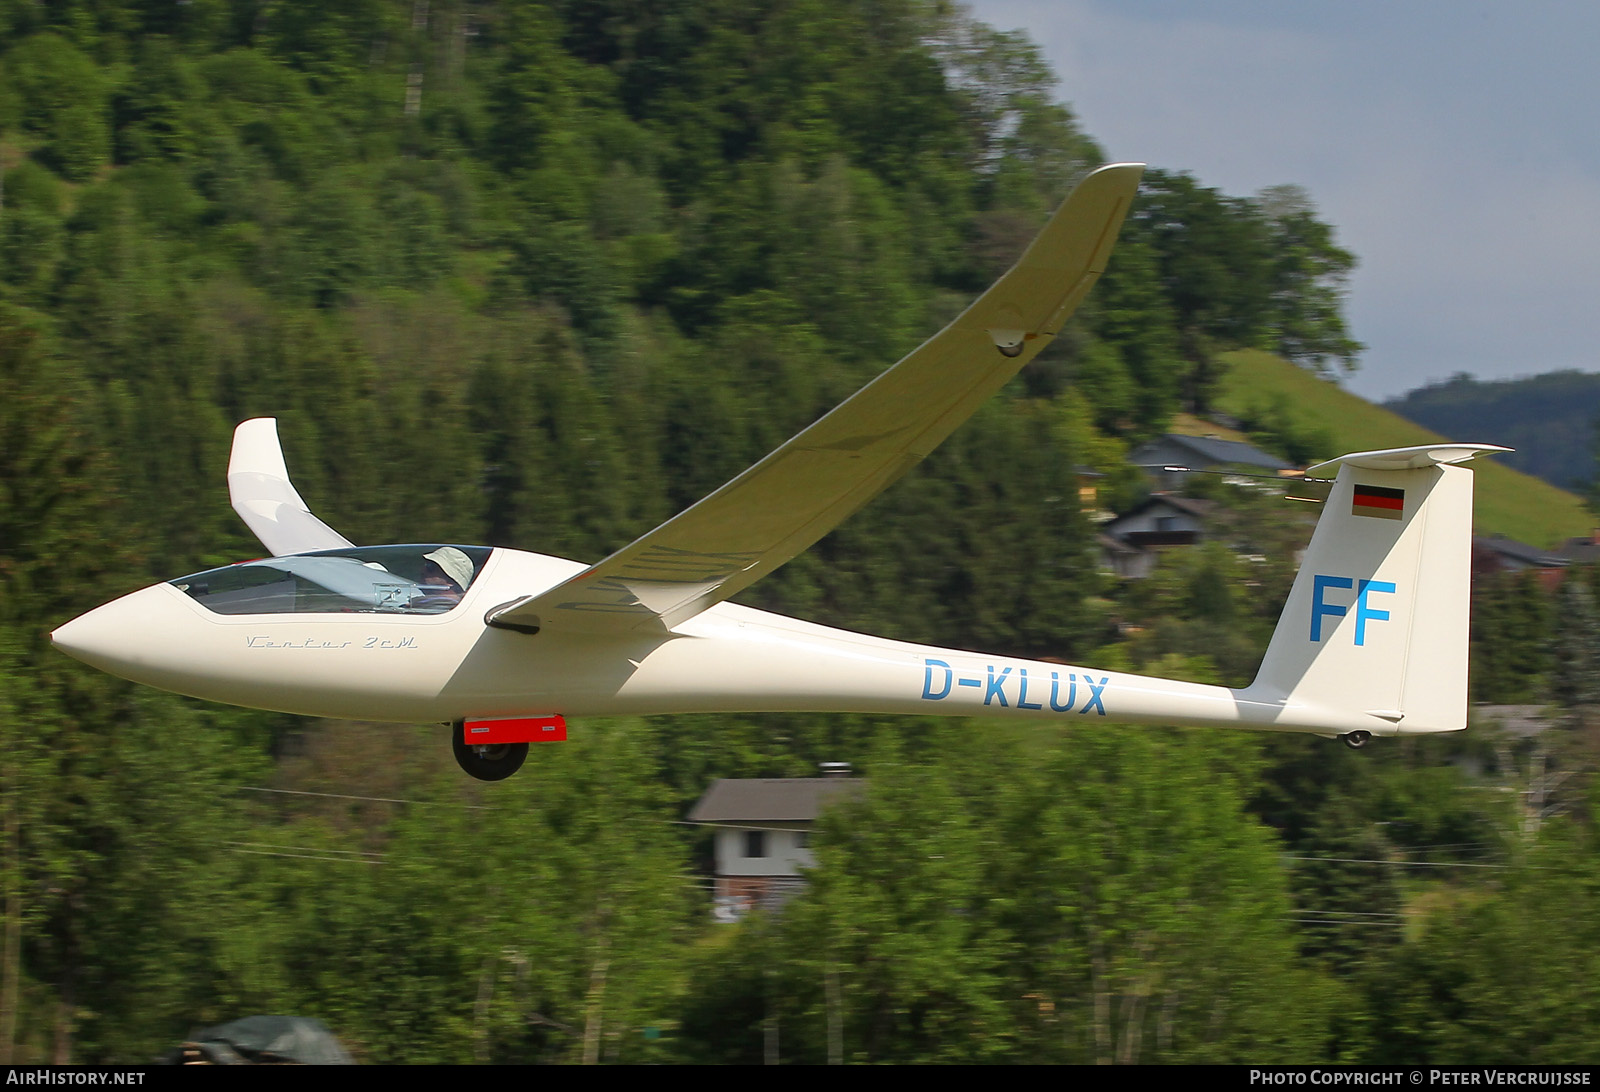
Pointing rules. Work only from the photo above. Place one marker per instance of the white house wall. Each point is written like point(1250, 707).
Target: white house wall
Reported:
point(784, 856)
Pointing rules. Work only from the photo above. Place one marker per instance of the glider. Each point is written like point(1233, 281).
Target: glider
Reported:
point(504, 645)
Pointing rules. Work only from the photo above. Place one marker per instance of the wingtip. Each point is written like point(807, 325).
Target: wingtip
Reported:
point(1131, 171)
point(256, 448)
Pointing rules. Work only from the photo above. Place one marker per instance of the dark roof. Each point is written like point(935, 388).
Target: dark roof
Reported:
point(771, 799)
point(257, 1039)
point(1196, 507)
point(1585, 548)
point(1209, 452)
point(1520, 551)
point(1113, 544)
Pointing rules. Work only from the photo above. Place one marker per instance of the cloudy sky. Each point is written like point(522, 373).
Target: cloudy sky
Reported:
point(1451, 142)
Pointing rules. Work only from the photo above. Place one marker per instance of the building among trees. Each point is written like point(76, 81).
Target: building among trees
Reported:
point(763, 833)
point(1204, 453)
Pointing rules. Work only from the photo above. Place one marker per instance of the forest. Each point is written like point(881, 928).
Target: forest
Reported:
point(540, 274)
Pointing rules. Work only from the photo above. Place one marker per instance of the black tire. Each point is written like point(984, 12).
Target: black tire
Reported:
point(1356, 740)
point(488, 762)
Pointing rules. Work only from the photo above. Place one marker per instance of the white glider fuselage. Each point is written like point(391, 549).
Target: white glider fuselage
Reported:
point(450, 666)
point(1373, 639)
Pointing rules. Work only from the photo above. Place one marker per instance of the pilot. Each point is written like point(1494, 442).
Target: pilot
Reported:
point(446, 572)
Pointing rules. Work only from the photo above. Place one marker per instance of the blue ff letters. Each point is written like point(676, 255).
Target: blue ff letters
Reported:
point(1365, 611)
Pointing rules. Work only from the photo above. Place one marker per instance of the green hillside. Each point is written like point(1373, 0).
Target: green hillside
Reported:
point(1508, 502)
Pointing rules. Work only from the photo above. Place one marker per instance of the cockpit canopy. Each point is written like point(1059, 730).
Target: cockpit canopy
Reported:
point(415, 579)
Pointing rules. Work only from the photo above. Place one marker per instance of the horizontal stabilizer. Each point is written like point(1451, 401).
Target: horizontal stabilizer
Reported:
point(1404, 458)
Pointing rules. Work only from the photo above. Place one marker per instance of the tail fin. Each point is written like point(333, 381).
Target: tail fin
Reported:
point(1375, 630)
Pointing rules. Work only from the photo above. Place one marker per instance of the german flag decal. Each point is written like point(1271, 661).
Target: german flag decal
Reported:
point(1373, 500)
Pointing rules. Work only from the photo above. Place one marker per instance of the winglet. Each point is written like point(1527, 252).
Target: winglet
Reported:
point(265, 498)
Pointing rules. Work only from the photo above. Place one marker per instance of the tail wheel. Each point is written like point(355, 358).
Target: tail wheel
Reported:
point(489, 761)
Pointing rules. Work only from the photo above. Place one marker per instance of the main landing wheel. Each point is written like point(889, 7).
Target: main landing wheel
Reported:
point(1356, 740)
point(490, 761)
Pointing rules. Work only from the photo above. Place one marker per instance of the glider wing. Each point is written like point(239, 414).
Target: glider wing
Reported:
point(805, 488)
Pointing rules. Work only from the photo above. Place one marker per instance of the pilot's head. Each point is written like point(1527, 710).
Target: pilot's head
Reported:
point(447, 565)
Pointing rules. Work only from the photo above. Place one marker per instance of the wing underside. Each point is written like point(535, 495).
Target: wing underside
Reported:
point(805, 488)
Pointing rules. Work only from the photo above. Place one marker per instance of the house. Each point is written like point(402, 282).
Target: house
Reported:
point(1129, 544)
point(1163, 519)
point(1206, 453)
point(1120, 559)
point(762, 835)
point(1498, 554)
point(1583, 550)
point(1089, 480)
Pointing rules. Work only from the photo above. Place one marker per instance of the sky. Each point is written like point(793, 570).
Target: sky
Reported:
point(1451, 144)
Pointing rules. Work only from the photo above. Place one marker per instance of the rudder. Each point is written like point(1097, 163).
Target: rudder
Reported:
point(1375, 629)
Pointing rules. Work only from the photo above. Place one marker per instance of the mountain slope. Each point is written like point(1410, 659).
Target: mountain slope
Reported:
point(1508, 502)
point(1549, 419)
